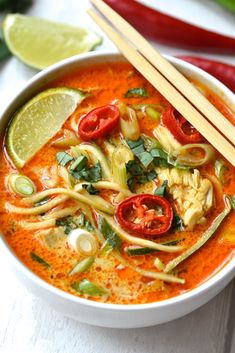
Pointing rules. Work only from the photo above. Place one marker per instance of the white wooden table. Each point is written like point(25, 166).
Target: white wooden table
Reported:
point(28, 325)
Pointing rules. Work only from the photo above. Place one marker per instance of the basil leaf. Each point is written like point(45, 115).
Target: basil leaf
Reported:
point(138, 175)
point(109, 234)
point(86, 287)
point(136, 92)
point(161, 190)
point(63, 158)
point(79, 163)
point(91, 189)
point(71, 223)
point(92, 174)
point(37, 258)
point(177, 223)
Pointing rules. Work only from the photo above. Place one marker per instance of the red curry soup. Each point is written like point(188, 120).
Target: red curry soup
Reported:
point(127, 203)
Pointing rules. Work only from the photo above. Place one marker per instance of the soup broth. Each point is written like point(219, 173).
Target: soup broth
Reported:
point(103, 249)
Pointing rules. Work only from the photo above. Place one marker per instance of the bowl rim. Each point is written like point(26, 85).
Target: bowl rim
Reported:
point(213, 281)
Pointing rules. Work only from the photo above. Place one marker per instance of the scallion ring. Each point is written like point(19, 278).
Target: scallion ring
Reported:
point(21, 185)
point(83, 242)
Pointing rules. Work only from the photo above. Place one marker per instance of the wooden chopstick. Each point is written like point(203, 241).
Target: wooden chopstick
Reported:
point(167, 90)
point(167, 70)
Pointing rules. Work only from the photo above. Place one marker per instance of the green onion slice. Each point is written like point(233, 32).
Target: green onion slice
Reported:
point(86, 287)
point(82, 266)
point(21, 185)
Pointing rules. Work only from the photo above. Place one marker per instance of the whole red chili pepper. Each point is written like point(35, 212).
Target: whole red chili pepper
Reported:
point(145, 215)
point(170, 30)
point(180, 128)
point(98, 122)
point(223, 72)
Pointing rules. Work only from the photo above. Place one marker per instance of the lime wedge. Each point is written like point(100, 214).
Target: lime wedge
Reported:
point(40, 43)
point(38, 121)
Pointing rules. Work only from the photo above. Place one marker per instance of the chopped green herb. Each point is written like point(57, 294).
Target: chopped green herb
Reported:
point(92, 174)
point(79, 163)
point(109, 234)
point(91, 189)
point(150, 143)
point(82, 266)
point(70, 223)
point(42, 201)
point(177, 223)
point(67, 223)
point(220, 169)
point(4, 51)
point(145, 158)
point(63, 158)
point(86, 287)
point(161, 190)
point(138, 175)
point(136, 92)
point(37, 258)
point(82, 222)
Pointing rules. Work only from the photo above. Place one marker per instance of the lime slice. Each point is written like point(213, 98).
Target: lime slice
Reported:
point(38, 121)
point(40, 43)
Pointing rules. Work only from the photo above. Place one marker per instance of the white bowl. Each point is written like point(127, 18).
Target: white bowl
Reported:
point(88, 311)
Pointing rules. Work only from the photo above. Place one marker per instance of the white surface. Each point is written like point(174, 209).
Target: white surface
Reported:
point(27, 325)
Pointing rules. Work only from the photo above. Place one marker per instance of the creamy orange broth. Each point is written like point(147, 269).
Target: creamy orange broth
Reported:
point(109, 82)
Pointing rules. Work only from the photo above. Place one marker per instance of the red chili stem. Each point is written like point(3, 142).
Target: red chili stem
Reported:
point(222, 71)
point(170, 30)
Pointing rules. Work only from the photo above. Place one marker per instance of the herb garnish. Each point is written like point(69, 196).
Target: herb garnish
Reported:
point(138, 175)
point(136, 92)
point(86, 287)
point(146, 156)
point(71, 223)
point(177, 223)
point(91, 189)
point(37, 258)
point(91, 174)
point(63, 158)
point(109, 234)
point(161, 190)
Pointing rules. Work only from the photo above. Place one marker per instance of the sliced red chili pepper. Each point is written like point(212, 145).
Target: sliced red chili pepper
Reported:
point(144, 214)
point(180, 128)
point(98, 122)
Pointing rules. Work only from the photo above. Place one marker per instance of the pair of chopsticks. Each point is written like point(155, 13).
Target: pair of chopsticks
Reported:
point(167, 80)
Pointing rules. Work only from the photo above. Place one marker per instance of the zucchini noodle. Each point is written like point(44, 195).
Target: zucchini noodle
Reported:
point(94, 201)
point(151, 274)
point(39, 209)
point(37, 225)
point(139, 241)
